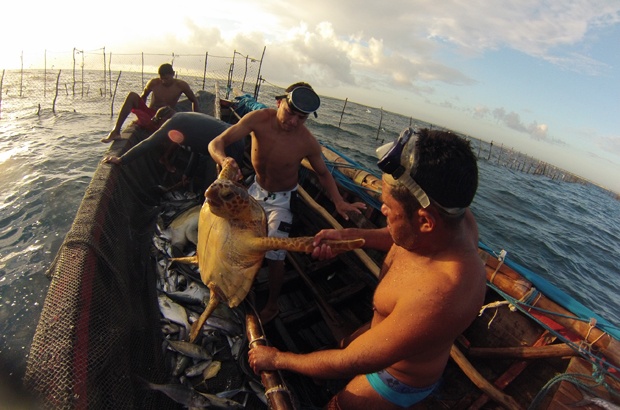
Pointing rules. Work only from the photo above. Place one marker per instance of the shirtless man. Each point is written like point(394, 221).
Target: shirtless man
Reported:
point(432, 282)
point(280, 140)
point(166, 92)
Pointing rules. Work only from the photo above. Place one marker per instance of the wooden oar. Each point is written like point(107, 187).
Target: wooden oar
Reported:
point(524, 352)
point(513, 371)
point(482, 383)
point(277, 393)
point(363, 256)
point(338, 326)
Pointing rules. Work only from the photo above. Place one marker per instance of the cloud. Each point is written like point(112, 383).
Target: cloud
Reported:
point(610, 144)
point(513, 121)
point(422, 29)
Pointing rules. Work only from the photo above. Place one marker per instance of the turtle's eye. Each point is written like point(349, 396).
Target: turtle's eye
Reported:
point(227, 195)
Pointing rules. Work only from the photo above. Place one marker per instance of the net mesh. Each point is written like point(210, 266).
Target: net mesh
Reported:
point(100, 322)
point(97, 81)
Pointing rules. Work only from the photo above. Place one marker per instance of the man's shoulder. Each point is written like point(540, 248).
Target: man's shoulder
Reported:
point(181, 83)
point(259, 117)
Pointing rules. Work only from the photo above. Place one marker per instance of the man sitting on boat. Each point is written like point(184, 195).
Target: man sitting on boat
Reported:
point(432, 283)
point(280, 141)
point(191, 130)
point(166, 92)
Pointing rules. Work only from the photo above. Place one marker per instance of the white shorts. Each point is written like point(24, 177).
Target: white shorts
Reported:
point(277, 206)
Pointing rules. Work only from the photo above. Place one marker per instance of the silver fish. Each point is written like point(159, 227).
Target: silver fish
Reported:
point(197, 369)
point(195, 293)
point(211, 370)
point(161, 272)
point(191, 398)
point(181, 364)
point(259, 390)
point(173, 311)
point(189, 349)
point(236, 343)
point(226, 326)
point(169, 328)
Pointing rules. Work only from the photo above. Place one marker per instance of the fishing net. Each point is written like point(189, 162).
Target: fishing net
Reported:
point(99, 326)
point(99, 341)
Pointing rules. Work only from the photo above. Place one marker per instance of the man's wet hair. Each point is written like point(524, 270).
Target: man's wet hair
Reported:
point(298, 84)
point(165, 69)
point(445, 168)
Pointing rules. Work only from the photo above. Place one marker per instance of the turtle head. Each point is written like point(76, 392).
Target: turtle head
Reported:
point(228, 199)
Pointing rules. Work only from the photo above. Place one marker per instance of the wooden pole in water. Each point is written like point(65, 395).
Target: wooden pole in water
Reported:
point(380, 121)
point(142, 68)
point(73, 85)
point(105, 91)
point(114, 95)
point(21, 75)
point(56, 95)
point(342, 113)
point(45, 73)
point(82, 72)
point(1, 81)
point(204, 74)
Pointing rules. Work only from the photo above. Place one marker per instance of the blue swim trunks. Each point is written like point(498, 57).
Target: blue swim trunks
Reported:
point(397, 392)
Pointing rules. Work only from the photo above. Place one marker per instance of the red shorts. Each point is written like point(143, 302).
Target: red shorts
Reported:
point(145, 115)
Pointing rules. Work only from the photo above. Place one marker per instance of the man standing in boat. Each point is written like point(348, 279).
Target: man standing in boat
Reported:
point(166, 91)
point(432, 282)
point(280, 140)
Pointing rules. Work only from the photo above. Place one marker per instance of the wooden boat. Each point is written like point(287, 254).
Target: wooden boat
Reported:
point(99, 332)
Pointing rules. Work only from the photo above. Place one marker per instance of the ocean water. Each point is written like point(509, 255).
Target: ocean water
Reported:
point(569, 233)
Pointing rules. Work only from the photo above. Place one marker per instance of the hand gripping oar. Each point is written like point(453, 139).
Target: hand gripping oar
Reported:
point(277, 393)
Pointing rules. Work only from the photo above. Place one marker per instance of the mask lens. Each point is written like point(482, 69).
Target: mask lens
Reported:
point(390, 154)
point(304, 99)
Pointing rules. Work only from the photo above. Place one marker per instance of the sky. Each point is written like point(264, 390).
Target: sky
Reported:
point(538, 76)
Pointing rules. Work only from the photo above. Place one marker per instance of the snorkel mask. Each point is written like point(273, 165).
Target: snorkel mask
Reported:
point(302, 99)
point(393, 155)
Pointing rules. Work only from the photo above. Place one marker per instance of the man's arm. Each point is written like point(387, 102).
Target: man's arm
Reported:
point(190, 96)
point(148, 89)
point(328, 182)
point(369, 352)
point(217, 147)
point(379, 239)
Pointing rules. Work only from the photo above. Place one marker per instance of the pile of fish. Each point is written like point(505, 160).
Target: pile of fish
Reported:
point(212, 372)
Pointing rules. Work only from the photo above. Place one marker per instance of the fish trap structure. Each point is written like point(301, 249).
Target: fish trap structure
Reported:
point(99, 343)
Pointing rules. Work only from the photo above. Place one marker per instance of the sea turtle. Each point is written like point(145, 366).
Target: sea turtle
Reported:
point(232, 241)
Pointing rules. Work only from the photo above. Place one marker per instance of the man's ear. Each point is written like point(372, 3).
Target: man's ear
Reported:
point(426, 219)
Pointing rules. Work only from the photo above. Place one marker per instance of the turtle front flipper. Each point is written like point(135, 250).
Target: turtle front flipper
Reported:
point(304, 244)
